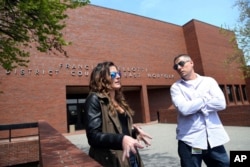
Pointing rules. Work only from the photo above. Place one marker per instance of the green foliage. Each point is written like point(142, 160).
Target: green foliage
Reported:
point(242, 32)
point(32, 23)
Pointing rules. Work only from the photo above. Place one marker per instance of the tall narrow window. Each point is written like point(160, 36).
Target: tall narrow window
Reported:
point(222, 88)
point(230, 93)
point(237, 92)
point(244, 91)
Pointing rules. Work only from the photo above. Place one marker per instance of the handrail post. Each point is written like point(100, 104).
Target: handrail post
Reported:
point(10, 135)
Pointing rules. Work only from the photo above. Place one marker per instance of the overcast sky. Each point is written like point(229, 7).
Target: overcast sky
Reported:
point(215, 12)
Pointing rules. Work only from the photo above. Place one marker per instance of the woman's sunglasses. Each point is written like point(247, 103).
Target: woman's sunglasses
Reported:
point(181, 63)
point(113, 74)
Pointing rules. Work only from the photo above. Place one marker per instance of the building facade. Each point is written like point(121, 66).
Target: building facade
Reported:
point(54, 87)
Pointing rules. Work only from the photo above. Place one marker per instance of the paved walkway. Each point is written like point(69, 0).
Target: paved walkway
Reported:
point(163, 151)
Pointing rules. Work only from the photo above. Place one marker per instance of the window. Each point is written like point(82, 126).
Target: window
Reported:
point(237, 92)
point(71, 101)
point(230, 93)
point(222, 88)
point(244, 91)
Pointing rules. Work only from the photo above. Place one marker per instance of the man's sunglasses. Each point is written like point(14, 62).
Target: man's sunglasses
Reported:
point(113, 74)
point(181, 63)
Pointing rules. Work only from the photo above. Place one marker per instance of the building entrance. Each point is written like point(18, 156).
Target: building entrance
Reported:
point(75, 112)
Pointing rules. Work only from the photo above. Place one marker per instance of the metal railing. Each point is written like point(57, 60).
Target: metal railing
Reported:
point(11, 127)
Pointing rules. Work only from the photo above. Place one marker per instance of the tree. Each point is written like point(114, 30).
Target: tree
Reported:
point(242, 36)
point(24, 23)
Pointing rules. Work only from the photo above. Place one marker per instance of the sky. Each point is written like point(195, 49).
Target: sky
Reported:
point(219, 13)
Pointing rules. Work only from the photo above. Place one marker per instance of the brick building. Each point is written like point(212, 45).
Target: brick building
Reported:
point(54, 87)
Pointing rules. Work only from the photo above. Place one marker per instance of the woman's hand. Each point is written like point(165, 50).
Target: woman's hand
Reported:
point(142, 136)
point(129, 144)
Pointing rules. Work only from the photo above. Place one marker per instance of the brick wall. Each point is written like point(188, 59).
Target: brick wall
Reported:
point(98, 34)
point(236, 115)
point(51, 149)
point(232, 116)
point(19, 152)
point(210, 48)
point(56, 150)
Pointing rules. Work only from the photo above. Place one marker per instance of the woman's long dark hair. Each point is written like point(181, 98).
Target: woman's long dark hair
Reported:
point(100, 82)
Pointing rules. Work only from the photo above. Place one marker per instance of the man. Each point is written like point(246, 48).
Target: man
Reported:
point(200, 133)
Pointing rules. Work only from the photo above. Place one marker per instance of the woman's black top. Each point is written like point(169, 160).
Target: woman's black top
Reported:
point(124, 123)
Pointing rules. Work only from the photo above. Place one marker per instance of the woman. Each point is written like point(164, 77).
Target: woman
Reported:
point(111, 135)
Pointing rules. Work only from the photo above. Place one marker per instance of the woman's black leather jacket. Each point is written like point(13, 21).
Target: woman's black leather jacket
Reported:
point(95, 105)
